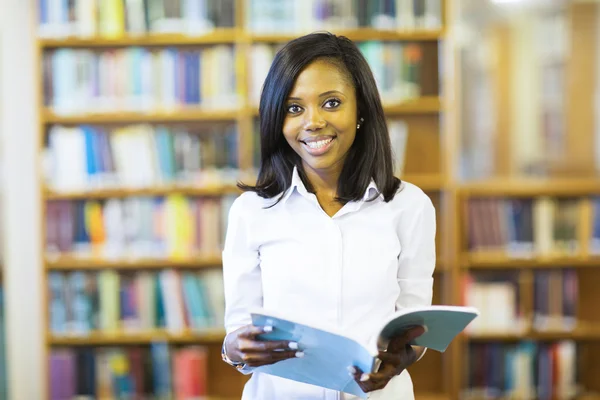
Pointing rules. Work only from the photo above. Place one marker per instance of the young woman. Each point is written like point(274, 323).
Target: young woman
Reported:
point(328, 234)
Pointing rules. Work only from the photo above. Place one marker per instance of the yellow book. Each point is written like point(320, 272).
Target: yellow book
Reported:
point(179, 229)
point(111, 19)
point(109, 301)
point(94, 222)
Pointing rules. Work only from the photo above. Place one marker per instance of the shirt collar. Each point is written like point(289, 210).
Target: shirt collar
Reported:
point(298, 185)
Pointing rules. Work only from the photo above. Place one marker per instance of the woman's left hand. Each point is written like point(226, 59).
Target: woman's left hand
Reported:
point(399, 356)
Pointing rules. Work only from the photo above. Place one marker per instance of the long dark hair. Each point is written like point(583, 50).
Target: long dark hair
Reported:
point(370, 156)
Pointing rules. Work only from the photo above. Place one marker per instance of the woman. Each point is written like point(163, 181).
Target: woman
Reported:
point(328, 234)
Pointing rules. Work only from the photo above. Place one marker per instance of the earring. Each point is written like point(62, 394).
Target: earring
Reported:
point(358, 125)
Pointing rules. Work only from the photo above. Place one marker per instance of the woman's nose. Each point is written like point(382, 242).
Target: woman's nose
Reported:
point(314, 121)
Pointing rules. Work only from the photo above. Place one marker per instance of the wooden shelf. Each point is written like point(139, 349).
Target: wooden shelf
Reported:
point(431, 396)
point(419, 105)
point(532, 187)
point(70, 262)
point(182, 115)
point(501, 260)
point(426, 182)
point(360, 35)
point(581, 333)
point(217, 36)
point(232, 35)
point(99, 339)
point(217, 190)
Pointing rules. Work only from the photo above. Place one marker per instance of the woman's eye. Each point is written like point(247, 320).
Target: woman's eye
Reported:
point(294, 109)
point(333, 103)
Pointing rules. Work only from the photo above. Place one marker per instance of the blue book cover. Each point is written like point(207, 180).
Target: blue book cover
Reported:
point(328, 353)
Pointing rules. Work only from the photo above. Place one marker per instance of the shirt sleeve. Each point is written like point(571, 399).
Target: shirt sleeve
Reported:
point(241, 269)
point(417, 229)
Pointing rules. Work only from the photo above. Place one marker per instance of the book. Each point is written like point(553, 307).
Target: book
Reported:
point(328, 353)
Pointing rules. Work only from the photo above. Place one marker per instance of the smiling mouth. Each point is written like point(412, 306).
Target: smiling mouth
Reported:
point(317, 144)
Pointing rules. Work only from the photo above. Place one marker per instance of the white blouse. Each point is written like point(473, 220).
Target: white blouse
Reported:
point(349, 271)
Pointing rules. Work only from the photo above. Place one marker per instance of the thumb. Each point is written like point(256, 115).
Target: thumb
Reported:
point(400, 342)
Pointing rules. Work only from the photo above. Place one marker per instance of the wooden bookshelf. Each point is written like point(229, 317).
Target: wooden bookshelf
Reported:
point(180, 115)
point(217, 36)
point(188, 190)
point(225, 35)
point(426, 166)
point(361, 35)
point(584, 333)
point(71, 262)
point(486, 260)
point(113, 339)
point(517, 174)
point(533, 187)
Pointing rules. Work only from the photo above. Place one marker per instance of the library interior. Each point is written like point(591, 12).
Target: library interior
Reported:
point(111, 282)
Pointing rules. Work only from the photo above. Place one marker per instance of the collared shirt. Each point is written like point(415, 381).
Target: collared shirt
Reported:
point(350, 271)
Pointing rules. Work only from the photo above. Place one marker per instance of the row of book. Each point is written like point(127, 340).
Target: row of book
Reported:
point(526, 370)
point(81, 303)
point(287, 16)
point(543, 225)
point(140, 79)
point(396, 67)
point(173, 227)
point(499, 300)
point(117, 18)
point(141, 155)
point(154, 372)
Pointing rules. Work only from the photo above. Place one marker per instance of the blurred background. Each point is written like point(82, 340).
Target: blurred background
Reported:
point(125, 124)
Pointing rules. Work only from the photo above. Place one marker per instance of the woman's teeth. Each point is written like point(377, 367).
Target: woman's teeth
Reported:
point(318, 144)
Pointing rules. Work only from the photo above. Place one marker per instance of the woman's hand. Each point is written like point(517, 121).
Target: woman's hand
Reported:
point(399, 356)
point(243, 346)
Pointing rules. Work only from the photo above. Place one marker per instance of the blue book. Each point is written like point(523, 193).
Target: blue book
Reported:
point(328, 353)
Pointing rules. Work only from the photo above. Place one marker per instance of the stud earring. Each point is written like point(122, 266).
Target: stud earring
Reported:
point(358, 125)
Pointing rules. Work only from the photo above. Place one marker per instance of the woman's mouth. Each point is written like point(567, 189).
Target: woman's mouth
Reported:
point(318, 146)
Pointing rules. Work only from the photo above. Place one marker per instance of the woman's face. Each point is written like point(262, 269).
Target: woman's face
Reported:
point(321, 116)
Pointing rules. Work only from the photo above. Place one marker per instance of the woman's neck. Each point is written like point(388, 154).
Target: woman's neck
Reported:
point(323, 182)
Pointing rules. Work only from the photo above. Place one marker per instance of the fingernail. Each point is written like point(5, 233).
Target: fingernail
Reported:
point(293, 346)
point(352, 370)
point(364, 377)
point(268, 329)
point(299, 354)
point(425, 329)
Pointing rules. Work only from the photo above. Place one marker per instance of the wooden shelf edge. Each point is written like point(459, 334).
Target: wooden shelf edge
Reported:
point(212, 190)
point(70, 262)
point(231, 36)
point(361, 34)
point(531, 187)
point(426, 182)
point(152, 116)
point(581, 333)
point(207, 337)
point(217, 36)
point(431, 396)
point(481, 260)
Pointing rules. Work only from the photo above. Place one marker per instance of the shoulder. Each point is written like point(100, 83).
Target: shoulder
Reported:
point(249, 205)
point(411, 197)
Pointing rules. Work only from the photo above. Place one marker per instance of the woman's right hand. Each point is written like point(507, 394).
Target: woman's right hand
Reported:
point(243, 346)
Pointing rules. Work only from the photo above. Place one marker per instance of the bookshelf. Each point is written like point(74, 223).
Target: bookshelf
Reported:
point(76, 113)
point(526, 237)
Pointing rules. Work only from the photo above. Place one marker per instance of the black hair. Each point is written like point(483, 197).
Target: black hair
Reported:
point(369, 157)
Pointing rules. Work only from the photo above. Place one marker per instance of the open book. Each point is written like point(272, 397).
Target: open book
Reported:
point(328, 354)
